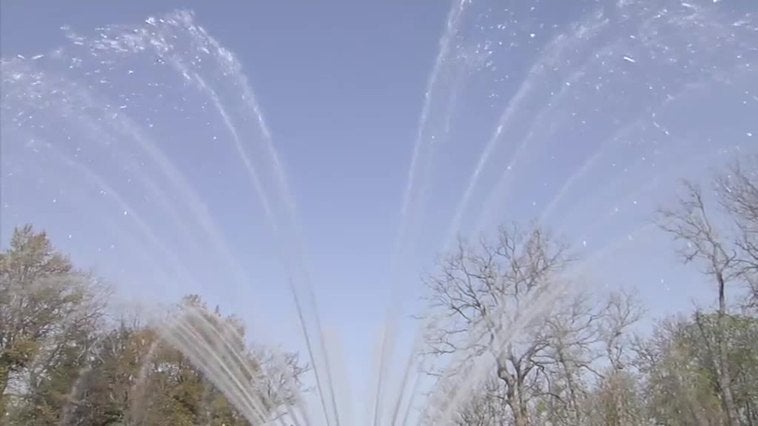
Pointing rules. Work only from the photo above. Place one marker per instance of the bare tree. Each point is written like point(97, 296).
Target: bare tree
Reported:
point(738, 194)
point(486, 407)
point(478, 286)
point(48, 314)
point(572, 333)
point(614, 400)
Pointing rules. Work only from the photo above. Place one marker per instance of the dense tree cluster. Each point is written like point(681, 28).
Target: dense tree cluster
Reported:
point(561, 355)
point(64, 361)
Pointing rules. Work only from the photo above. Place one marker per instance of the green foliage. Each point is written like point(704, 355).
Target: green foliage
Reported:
point(61, 363)
point(48, 313)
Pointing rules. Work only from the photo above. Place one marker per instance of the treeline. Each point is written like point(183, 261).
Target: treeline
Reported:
point(557, 352)
point(65, 361)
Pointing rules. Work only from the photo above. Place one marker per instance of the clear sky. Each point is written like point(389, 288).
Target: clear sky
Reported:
point(137, 144)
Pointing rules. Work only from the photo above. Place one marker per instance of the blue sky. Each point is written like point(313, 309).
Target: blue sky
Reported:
point(341, 86)
point(589, 113)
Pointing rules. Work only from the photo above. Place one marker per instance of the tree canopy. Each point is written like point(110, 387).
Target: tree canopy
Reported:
point(64, 361)
point(558, 355)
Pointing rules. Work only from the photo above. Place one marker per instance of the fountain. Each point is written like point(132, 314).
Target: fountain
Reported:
point(147, 143)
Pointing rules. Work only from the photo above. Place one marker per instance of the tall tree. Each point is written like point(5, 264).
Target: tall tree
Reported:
point(478, 286)
point(48, 313)
point(613, 397)
point(543, 366)
point(691, 224)
point(62, 363)
point(680, 369)
point(725, 242)
point(138, 376)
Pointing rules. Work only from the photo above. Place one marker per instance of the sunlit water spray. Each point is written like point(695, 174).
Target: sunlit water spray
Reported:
point(99, 121)
point(593, 93)
point(550, 110)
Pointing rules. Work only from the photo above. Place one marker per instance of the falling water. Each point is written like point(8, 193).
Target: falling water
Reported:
point(87, 112)
point(612, 98)
point(599, 81)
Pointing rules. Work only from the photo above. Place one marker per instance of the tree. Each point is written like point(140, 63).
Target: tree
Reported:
point(561, 355)
point(61, 362)
point(260, 382)
point(737, 189)
point(138, 376)
point(544, 366)
point(486, 407)
point(112, 386)
point(725, 243)
point(690, 223)
point(614, 398)
point(680, 369)
point(476, 286)
point(48, 311)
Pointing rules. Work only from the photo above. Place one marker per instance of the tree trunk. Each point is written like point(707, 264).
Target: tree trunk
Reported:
point(513, 396)
point(724, 377)
point(574, 401)
point(520, 417)
point(4, 376)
